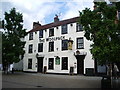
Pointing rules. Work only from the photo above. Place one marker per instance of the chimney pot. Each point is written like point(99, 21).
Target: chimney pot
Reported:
point(56, 19)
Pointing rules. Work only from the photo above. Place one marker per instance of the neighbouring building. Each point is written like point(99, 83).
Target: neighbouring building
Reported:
point(58, 47)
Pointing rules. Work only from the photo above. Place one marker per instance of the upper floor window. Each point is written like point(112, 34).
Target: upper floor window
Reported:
point(64, 44)
point(51, 32)
point(30, 49)
point(80, 43)
point(31, 36)
point(29, 63)
point(64, 29)
point(51, 46)
point(79, 27)
point(40, 47)
point(41, 34)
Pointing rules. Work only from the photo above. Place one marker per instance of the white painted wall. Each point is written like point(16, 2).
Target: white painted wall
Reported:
point(88, 62)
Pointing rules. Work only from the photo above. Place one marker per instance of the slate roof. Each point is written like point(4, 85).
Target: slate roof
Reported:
point(55, 24)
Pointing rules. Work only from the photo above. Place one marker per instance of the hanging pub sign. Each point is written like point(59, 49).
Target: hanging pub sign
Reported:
point(70, 43)
point(57, 60)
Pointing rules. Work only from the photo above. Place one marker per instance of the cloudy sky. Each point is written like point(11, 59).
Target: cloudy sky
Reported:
point(45, 10)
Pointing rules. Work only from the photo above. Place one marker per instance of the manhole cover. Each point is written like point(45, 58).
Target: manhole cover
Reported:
point(38, 86)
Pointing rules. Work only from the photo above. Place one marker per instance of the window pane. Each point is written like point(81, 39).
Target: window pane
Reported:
point(40, 47)
point(31, 36)
point(29, 63)
point(64, 44)
point(64, 63)
point(80, 43)
point(64, 29)
point(30, 48)
point(41, 34)
point(51, 63)
point(80, 40)
point(51, 46)
point(79, 27)
point(51, 32)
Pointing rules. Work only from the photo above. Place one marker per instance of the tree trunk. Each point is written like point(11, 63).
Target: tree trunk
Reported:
point(109, 72)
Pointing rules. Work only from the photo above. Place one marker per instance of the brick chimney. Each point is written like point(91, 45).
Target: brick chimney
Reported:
point(35, 24)
point(56, 19)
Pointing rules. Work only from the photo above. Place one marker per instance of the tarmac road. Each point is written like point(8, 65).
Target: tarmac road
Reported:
point(38, 80)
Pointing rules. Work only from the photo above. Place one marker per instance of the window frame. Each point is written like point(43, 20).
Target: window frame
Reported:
point(31, 36)
point(40, 47)
point(51, 32)
point(51, 49)
point(51, 67)
point(79, 27)
point(30, 48)
point(80, 43)
point(64, 66)
point(40, 33)
point(30, 63)
point(64, 29)
point(63, 48)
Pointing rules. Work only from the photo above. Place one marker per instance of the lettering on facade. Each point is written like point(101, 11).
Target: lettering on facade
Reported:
point(50, 39)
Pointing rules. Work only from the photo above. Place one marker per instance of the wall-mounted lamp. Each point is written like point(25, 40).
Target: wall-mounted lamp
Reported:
point(57, 49)
point(45, 30)
point(35, 32)
point(71, 24)
point(37, 55)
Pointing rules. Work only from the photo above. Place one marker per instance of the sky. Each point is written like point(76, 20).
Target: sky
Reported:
point(44, 10)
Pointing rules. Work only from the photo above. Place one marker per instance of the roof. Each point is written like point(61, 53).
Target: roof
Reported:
point(55, 24)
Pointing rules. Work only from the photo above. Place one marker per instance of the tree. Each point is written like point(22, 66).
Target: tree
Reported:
point(12, 43)
point(100, 27)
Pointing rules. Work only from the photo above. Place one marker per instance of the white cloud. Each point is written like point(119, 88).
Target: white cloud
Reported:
point(39, 10)
point(76, 6)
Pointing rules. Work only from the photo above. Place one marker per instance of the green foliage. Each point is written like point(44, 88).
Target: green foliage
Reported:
point(100, 27)
point(12, 45)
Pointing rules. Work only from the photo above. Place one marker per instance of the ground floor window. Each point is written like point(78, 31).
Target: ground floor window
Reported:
point(29, 63)
point(51, 63)
point(64, 63)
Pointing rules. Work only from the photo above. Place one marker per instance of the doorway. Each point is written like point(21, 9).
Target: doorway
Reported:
point(80, 64)
point(40, 64)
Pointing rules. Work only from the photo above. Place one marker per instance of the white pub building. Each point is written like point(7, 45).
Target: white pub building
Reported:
point(59, 47)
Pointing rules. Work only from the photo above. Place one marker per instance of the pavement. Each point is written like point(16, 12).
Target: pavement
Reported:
point(38, 80)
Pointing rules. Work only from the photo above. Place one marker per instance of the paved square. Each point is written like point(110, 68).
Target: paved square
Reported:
point(38, 80)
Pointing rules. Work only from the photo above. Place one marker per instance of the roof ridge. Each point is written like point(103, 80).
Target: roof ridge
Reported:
point(54, 24)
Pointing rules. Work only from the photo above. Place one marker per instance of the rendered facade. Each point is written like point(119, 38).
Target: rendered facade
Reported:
point(58, 47)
